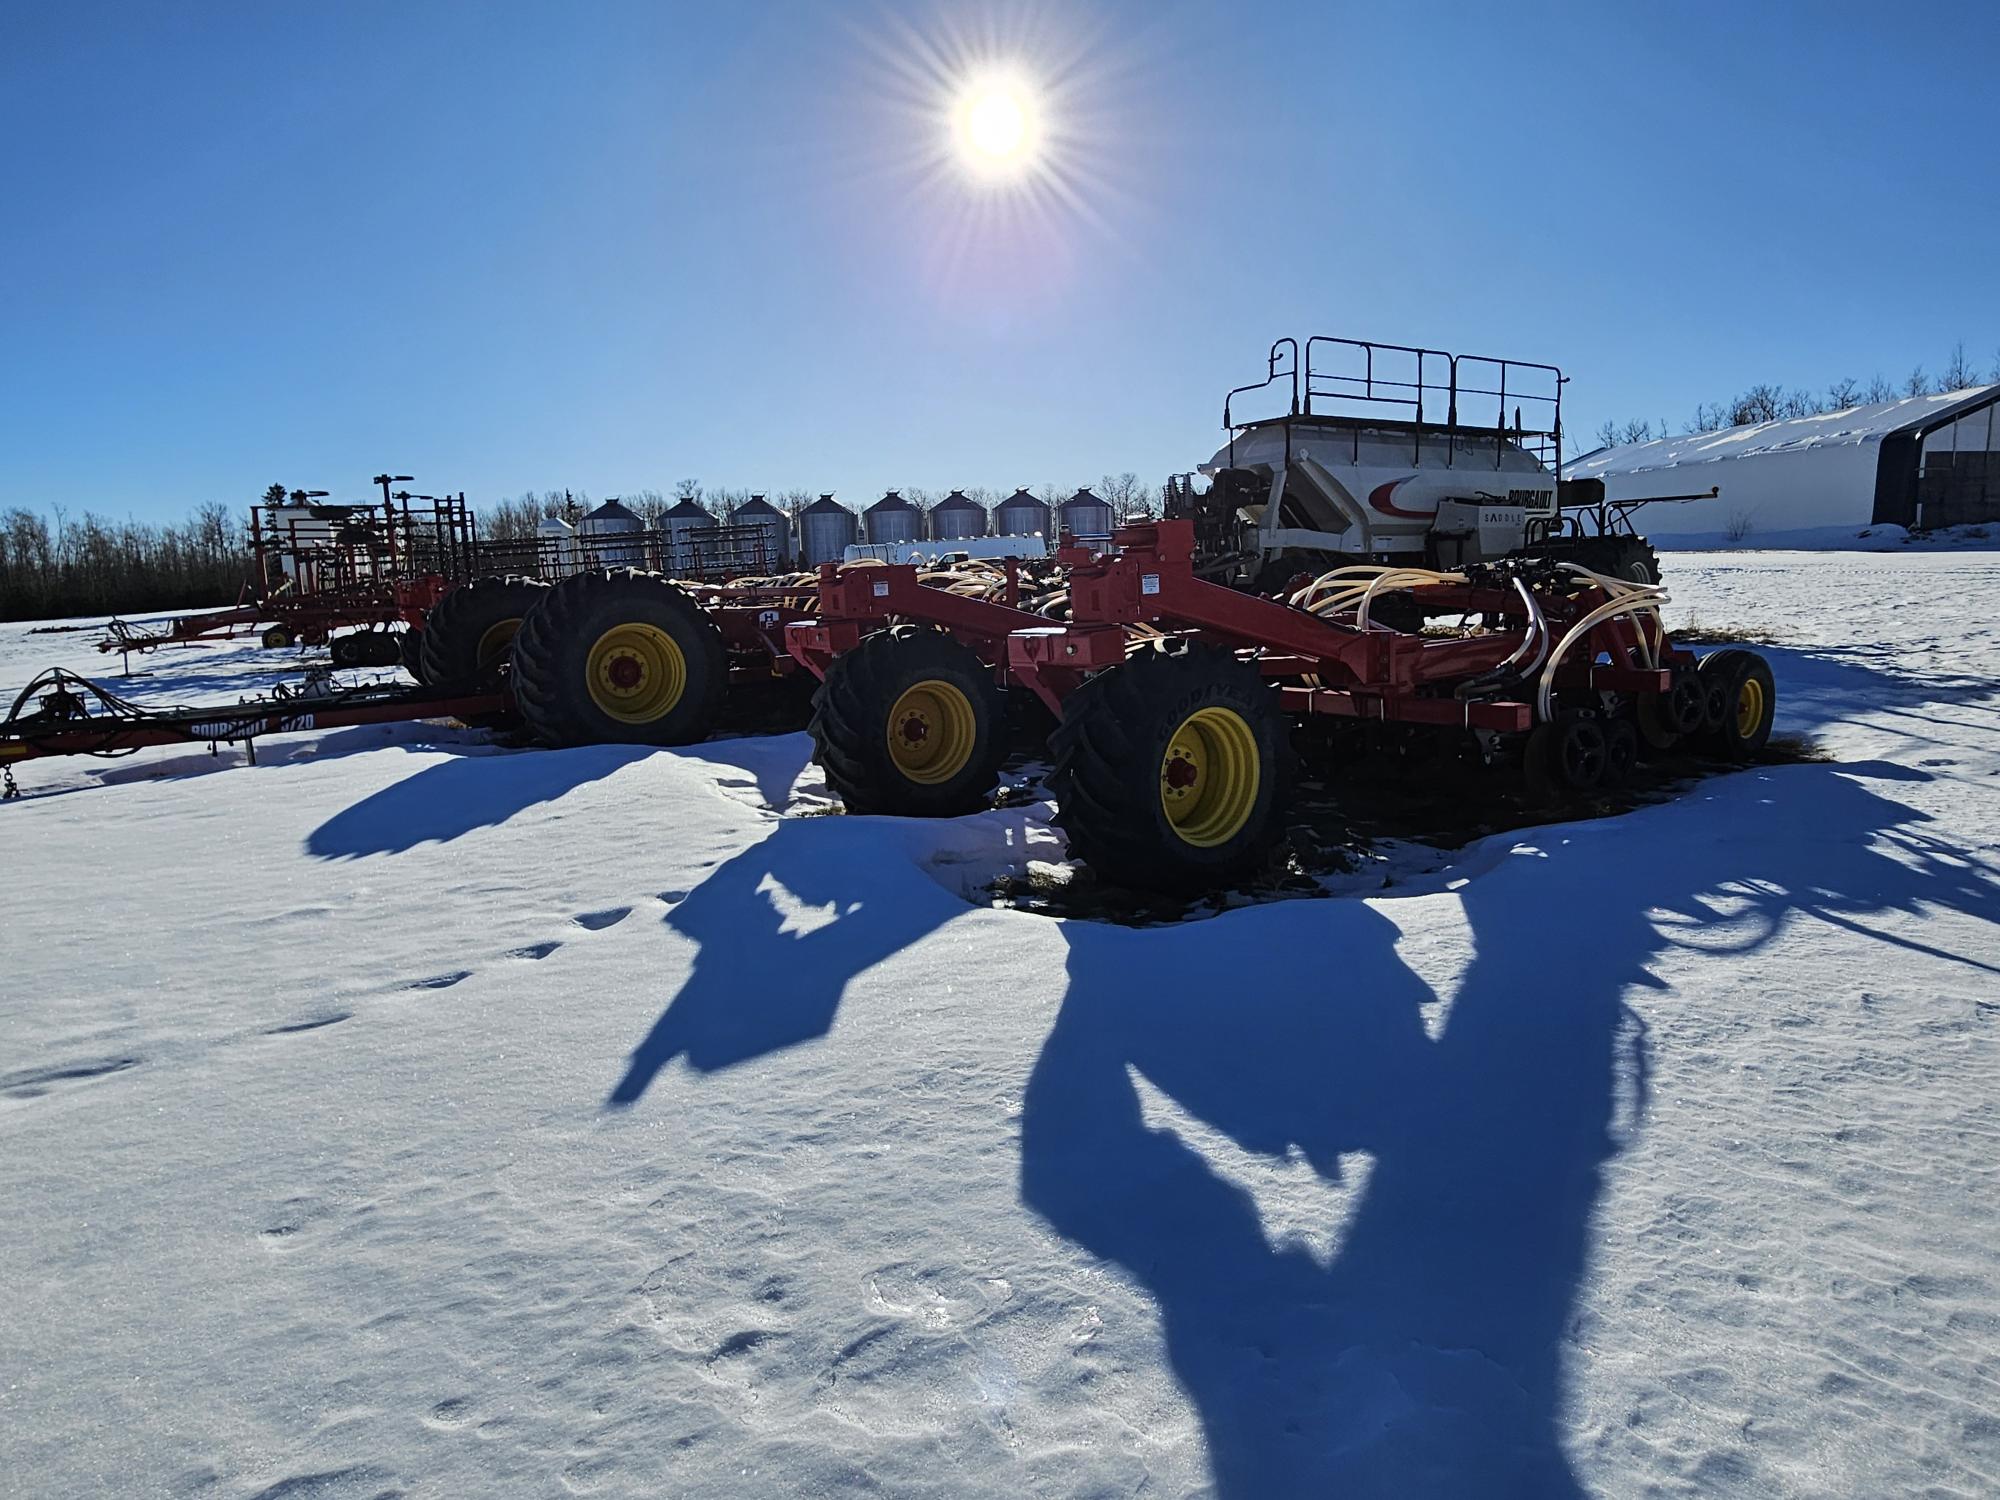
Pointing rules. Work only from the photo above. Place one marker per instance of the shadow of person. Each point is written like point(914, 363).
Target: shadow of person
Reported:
point(450, 798)
point(1421, 1354)
point(783, 928)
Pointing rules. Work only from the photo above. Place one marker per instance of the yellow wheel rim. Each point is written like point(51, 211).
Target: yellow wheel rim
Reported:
point(932, 729)
point(1749, 707)
point(494, 645)
point(636, 673)
point(1209, 777)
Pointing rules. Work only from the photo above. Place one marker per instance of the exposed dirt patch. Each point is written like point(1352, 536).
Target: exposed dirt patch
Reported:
point(1692, 634)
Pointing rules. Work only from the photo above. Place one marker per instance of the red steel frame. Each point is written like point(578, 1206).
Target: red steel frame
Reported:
point(1379, 674)
point(228, 723)
point(855, 600)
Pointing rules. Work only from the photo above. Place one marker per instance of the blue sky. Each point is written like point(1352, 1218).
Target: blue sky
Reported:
point(510, 246)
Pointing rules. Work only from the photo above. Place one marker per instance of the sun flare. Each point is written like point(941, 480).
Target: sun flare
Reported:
point(996, 125)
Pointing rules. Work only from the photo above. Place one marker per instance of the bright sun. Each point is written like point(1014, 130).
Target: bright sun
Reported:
point(996, 127)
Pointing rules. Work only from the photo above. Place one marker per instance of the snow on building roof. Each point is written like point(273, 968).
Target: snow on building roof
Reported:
point(1855, 425)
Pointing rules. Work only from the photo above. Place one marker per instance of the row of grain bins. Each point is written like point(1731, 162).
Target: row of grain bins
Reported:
point(759, 537)
point(894, 521)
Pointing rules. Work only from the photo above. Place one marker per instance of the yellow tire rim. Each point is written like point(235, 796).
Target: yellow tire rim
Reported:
point(636, 673)
point(1749, 707)
point(932, 730)
point(1210, 776)
point(495, 644)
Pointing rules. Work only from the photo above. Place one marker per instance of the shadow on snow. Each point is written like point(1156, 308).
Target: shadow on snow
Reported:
point(1418, 1348)
point(781, 932)
point(444, 800)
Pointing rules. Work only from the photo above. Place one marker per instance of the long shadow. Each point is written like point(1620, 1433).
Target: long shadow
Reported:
point(451, 798)
point(783, 928)
point(1423, 1354)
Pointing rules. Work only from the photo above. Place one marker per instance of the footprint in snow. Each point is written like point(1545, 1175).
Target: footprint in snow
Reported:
point(440, 981)
point(451, 1414)
point(35, 1082)
point(534, 950)
point(597, 921)
point(313, 1025)
point(294, 1217)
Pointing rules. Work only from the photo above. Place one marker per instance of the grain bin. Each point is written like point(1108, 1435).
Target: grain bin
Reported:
point(891, 520)
point(612, 537)
point(555, 548)
point(681, 531)
point(826, 527)
point(775, 530)
point(957, 517)
point(1021, 514)
point(1085, 517)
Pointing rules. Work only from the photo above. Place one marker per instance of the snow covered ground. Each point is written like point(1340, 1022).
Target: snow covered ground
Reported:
point(447, 1120)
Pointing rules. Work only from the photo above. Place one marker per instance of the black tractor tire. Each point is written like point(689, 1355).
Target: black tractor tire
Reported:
point(910, 723)
point(1563, 757)
point(1628, 558)
point(279, 638)
point(1687, 704)
point(468, 635)
point(619, 656)
point(1621, 752)
point(1278, 574)
point(1173, 771)
point(1652, 716)
point(366, 648)
point(1398, 609)
point(1633, 560)
point(1742, 679)
point(410, 652)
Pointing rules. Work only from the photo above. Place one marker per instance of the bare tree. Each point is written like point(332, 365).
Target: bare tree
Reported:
point(1958, 371)
point(1842, 394)
point(1758, 404)
point(1879, 390)
point(1919, 384)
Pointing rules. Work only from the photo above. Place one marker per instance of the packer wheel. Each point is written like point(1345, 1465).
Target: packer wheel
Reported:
point(910, 722)
point(1741, 682)
point(619, 657)
point(1172, 770)
point(469, 633)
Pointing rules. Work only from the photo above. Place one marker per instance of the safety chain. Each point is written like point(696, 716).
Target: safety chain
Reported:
point(8, 791)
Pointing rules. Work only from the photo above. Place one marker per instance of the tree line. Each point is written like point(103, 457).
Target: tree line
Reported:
point(56, 566)
point(1771, 403)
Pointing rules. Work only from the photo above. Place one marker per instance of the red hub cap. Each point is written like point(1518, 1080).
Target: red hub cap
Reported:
point(624, 671)
point(1180, 773)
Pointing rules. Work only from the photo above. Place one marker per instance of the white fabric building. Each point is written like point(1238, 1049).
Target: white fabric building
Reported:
point(1920, 462)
